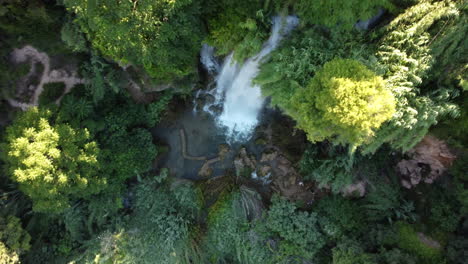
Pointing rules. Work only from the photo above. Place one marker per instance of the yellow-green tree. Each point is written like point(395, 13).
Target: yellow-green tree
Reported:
point(8, 256)
point(344, 102)
point(52, 163)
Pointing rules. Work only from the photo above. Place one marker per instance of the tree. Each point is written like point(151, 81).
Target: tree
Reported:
point(8, 256)
point(344, 102)
point(405, 50)
point(162, 36)
point(334, 168)
point(158, 231)
point(299, 57)
point(52, 163)
point(230, 238)
point(238, 26)
point(344, 13)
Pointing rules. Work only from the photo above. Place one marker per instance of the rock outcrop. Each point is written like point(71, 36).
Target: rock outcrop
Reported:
point(429, 160)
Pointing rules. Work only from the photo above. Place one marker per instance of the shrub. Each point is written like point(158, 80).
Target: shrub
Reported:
point(52, 91)
point(409, 241)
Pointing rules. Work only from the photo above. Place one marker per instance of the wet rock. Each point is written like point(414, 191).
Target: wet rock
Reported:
point(283, 169)
point(268, 157)
point(205, 171)
point(244, 162)
point(208, 98)
point(223, 150)
point(265, 170)
point(215, 109)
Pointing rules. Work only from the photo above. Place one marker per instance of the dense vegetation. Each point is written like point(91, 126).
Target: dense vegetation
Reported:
point(78, 181)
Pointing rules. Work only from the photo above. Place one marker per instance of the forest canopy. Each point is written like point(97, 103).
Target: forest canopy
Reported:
point(112, 148)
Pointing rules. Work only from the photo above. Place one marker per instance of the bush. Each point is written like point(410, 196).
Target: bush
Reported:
point(12, 234)
point(339, 217)
point(385, 202)
point(163, 37)
point(229, 237)
point(237, 26)
point(409, 241)
point(298, 233)
point(52, 91)
point(330, 168)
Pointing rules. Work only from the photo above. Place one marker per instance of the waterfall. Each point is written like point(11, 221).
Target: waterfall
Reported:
point(208, 59)
point(241, 100)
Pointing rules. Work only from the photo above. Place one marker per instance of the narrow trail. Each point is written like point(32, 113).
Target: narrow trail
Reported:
point(31, 54)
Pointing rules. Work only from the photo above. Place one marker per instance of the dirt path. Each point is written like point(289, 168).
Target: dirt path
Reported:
point(32, 55)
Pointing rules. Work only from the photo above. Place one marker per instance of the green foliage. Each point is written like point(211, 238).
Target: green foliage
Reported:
point(73, 37)
point(8, 256)
point(10, 74)
point(298, 233)
point(409, 241)
point(33, 22)
point(405, 50)
point(385, 202)
point(120, 127)
point(333, 169)
point(453, 130)
point(456, 250)
point(12, 234)
point(444, 214)
point(459, 169)
point(343, 13)
point(228, 238)
point(300, 56)
point(102, 77)
point(349, 253)
point(344, 102)
point(448, 46)
point(52, 163)
point(396, 255)
point(339, 216)
point(237, 26)
point(52, 91)
point(158, 231)
point(162, 36)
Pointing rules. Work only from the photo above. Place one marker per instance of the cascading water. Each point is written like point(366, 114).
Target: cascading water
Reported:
point(208, 59)
point(241, 100)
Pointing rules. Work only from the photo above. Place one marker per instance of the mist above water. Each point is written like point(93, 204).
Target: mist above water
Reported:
point(241, 101)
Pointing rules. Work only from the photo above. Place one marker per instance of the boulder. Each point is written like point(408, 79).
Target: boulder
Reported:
point(354, 190)
point(268, 157)
point(430, 158)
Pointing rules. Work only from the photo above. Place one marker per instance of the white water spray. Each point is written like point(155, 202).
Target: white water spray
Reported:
point(241, 100)
point(208, 59)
